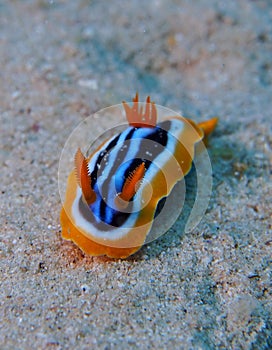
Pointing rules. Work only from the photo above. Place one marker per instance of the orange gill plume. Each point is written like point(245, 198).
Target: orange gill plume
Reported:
point(137, 117)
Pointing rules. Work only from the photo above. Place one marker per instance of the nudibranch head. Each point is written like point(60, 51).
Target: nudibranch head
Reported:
point(114, 194)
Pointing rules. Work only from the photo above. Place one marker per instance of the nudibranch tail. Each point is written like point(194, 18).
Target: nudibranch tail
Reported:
point(208, 126)
point(83, 177)
point(137, 118)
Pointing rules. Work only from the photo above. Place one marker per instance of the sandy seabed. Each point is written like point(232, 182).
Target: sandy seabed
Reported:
point(206, 289)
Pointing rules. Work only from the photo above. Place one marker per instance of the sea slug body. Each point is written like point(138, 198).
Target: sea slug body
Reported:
point(109, 207)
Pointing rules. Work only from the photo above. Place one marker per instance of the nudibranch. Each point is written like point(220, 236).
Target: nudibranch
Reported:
point(113, 195)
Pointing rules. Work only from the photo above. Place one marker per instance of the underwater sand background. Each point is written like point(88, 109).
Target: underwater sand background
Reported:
point(60, 62)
